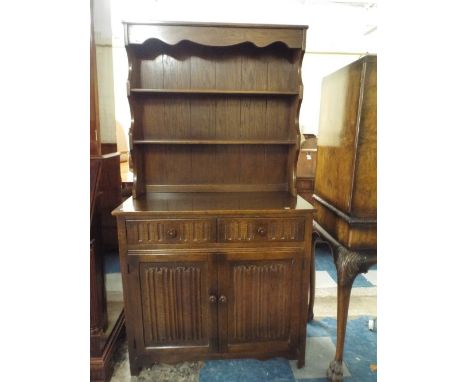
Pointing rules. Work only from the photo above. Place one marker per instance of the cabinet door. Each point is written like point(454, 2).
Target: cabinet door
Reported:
point(170, 293)
point(259, 301)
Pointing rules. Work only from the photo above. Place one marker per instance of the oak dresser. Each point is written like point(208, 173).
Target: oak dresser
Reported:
point(215, 245)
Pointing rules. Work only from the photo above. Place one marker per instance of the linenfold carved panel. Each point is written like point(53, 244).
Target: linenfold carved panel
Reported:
point(261, 301)
point(171, 231)
point(238, 230)
point(174, 304)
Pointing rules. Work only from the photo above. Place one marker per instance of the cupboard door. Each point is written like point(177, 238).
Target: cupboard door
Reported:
point(172, 295)
point(259, 301)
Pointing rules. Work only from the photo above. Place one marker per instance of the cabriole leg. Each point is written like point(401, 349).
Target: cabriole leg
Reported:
point(348, 265)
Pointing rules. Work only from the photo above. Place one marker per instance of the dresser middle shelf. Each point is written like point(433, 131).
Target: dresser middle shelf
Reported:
point(212, 91)
point(215, 141)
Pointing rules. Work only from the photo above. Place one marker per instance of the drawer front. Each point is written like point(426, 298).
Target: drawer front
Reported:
point(257, 229)
point(171, 231)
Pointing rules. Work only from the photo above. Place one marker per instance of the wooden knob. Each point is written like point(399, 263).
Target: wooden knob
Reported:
point(222, 299)
point(212, 298)
point(171, 232)
point(261, 231)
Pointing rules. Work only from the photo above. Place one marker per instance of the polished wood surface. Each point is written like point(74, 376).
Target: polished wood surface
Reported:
point(108, 148)
point(262, 300)
point(213, 203)
point(346, 176)
point(355, 233)
point(345, 193)
point(232, 230)
point(213, 34)
point(347, 144)
point(216, 300)
point(171, 231)
point(110, 187)
point(215, 243)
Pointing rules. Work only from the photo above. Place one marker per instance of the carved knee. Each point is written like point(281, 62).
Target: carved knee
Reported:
point(348, 265)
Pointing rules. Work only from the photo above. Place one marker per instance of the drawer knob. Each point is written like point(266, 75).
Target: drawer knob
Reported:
point(171, 232)
point(222, 299)
point(261, 231)
point(212, 298)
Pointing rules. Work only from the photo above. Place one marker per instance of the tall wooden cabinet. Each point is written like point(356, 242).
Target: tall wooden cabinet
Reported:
point(345, 193)
point(215, 244)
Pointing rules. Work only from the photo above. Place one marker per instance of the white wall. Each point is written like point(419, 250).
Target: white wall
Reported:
point(105, 72)
point(337, 35)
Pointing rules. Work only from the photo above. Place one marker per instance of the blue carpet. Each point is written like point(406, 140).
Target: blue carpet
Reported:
point(360, 347)
point(276, 369)
point(111, 262)
point(360, 353)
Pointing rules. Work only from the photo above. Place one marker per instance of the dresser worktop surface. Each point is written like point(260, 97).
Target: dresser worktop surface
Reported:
point(214, 203)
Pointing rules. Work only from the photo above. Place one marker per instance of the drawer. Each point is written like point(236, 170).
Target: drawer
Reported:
point(258, 229)
point(171, 231)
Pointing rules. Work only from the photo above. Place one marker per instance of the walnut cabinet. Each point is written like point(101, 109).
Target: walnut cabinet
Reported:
point(215, 245)
point(345, 193)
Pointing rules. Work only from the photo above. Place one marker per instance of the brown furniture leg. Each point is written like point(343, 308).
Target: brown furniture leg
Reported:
point(310, 312)
point(316, 239)
point(348, 265)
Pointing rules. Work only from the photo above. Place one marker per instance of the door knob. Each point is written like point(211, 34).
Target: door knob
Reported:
point(222, 299)
point(172, 232)
point(212, 298)
point(261, 231)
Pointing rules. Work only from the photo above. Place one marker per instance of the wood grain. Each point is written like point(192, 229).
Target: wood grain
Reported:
point(173, 304)
point(346, 173)
point(171, 231)
point(194, 164)
point(338, 136)
point(251, 230)
point(215, 246)
point(215, 35)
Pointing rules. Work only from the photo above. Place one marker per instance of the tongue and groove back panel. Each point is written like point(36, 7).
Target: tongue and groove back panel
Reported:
point(215, 118)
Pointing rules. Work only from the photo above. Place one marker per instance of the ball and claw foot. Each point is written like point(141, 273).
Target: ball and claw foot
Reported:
point(335, 372)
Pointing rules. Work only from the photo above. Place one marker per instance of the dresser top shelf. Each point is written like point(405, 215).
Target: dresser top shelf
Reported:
point(293, 36)
point(211, 24)
point(213, 202)
point(214, 92)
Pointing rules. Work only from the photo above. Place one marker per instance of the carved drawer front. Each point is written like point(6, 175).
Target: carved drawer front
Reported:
point(256, 229)
point(171, 231)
